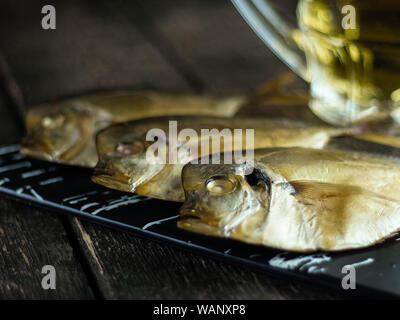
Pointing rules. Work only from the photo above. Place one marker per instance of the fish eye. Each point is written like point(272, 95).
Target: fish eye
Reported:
point(52, 122)
point(220, 185)
point(129, 148)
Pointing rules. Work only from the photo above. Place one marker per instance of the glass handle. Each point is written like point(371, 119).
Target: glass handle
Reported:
point(275, 32)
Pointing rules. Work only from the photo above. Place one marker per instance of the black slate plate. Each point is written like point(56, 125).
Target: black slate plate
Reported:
point(69, 190)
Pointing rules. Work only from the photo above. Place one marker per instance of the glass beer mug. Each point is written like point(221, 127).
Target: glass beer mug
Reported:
point(348, 51)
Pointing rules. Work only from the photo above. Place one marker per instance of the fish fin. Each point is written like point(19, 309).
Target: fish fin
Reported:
point(309, 192)
point(340, 214)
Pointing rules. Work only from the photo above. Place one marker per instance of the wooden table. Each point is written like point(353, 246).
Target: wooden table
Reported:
point(198, 46)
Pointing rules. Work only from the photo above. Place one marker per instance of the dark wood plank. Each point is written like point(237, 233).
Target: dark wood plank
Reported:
point(213, 40)
point(132, 268)
point(90, 49)
point(30, 239)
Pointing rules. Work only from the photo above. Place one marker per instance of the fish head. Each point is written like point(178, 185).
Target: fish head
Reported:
point(123, 162)
point(221, 197)
point(57, 133)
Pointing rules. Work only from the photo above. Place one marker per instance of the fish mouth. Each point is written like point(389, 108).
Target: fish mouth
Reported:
point(191, 221)
point(195, 224)
point(111, 179)
point(188, 213)
point(35, 149)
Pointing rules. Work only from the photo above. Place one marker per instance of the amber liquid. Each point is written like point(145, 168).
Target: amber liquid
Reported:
point(354, 73)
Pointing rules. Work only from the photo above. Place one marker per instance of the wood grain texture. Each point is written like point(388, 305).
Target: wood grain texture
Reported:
point(89, 50)
point(214, 41)
point(30, 239)
point(201, 45)
point(131, 268)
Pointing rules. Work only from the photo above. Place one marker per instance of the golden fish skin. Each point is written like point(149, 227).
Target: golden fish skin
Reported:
point(65, 131)
point(122, 149)
point(296, 199)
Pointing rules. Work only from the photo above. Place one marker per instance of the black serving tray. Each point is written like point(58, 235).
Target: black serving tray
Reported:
point(69, 190)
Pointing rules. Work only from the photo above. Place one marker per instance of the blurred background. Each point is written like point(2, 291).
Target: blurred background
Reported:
point(198, 45)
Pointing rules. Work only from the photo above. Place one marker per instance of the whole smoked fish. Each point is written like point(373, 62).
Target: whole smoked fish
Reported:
point(296, 199)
